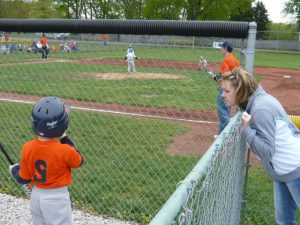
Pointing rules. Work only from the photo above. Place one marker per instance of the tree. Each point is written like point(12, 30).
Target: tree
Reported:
point(64, 6)
point(191, 9)
point(8, 9)
point(214, 9)
point(261, 17)
point(162, 9)
point(44, 9)
point(129, 9)
point(243, 11)
point(293, 7)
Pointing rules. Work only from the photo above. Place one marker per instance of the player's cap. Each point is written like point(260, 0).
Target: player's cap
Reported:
point(227, 45)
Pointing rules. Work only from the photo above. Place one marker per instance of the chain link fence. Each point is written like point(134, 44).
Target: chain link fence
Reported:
point(140, 134)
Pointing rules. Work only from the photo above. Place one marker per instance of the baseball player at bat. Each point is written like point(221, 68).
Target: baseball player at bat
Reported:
point(46, 161)
point(130, 57)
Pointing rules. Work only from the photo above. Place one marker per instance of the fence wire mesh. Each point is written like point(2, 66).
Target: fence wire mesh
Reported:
point(217, 199)
point(139, 134)
point(216, 196)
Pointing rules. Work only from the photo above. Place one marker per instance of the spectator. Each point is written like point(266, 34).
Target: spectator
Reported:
point(13, 48)
point(272, 136)
point(44, 43)
point(6, 37)
point(105, 39)
point(74, 47)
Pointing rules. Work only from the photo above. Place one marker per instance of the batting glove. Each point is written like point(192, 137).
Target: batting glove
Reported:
point(63, 135)
point(11, 167)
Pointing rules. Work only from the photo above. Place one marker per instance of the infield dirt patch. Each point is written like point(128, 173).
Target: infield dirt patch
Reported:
point(138, 75)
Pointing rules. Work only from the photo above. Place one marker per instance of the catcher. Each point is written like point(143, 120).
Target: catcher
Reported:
point(203, 65)
point(47, 161)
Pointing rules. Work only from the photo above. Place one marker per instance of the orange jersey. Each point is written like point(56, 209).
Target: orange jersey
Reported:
point(48, 163)
point(105, 37)
point(229, 63)
point(44, 41)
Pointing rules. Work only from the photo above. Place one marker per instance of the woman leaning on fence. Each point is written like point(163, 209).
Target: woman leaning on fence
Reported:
point(272, 136)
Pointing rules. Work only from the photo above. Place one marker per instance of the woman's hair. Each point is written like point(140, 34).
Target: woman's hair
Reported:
point(244, 83)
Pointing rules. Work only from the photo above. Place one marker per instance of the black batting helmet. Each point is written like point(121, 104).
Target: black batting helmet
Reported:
point(50, 117)
point(227, 45)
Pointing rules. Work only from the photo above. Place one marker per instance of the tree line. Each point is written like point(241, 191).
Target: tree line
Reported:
point(228, 10)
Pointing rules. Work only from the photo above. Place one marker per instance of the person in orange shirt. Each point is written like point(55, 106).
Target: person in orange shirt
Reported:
point(105, 39)
point(229, 63)
point(6, 37)
point(44, 43)
point(46, 161)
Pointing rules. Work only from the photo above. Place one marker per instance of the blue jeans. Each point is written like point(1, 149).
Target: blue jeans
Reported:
point(224, 111)
point(286, 200)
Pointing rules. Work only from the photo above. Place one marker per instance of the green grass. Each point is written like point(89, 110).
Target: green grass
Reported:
point(194, 91)
point(127, 172)
point(277, 59)
point(259, 200)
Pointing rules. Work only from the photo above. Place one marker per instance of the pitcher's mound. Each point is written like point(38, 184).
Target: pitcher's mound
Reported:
point(138, 75)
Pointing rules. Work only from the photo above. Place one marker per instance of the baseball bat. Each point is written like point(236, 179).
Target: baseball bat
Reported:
point(27, 187)
point(204, 66)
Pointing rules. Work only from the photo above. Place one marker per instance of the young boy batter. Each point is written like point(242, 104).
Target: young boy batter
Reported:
point(47, 161)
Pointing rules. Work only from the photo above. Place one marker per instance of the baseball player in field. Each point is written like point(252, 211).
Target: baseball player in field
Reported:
point(130, 49)
point(46, 161)
point(130, 57)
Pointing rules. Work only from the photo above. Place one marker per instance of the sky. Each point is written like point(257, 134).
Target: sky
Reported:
point(274, 8)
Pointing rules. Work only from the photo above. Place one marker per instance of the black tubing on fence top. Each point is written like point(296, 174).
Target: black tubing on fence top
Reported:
point(111, 26)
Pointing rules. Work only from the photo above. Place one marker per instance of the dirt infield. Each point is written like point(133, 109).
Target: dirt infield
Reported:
point(137, 76)
point(284, 84)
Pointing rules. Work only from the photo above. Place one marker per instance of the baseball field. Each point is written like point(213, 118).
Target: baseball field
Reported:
point(139, 134)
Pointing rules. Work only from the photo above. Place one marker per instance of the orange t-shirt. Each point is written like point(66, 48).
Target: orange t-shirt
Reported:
point(44, 41)
point(229, 63)
point(48, 163)
point(105, 37)
point(6, 37)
